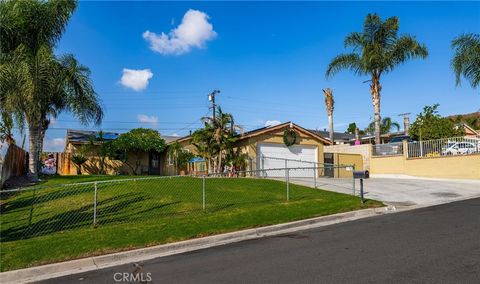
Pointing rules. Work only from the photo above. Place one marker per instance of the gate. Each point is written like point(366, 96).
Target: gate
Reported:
point(328, 161)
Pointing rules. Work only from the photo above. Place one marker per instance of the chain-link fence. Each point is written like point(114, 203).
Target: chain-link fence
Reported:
point(42, 210)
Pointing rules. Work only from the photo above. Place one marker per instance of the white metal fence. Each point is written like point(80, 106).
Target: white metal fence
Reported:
point(444, 147)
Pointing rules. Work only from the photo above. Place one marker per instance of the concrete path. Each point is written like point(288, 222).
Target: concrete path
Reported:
point(401, 191)
point(437, 244)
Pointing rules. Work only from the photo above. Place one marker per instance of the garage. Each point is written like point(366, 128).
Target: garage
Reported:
point(277, 156)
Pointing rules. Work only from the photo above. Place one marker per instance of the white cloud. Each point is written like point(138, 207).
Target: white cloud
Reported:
point(54, 145)
point(175, 135)
point(193, 31)
point(136, 79)
point(269, 123)
point(143, 118)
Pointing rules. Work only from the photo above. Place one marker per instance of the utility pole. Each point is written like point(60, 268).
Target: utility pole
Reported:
point(406, 122)
point(211, 98)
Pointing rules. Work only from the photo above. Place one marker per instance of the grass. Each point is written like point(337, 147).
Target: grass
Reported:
point(55, 221)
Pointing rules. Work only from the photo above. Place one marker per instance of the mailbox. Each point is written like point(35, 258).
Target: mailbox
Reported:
point(361, 174)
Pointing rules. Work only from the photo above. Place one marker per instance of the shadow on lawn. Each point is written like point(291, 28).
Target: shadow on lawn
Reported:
point(70, 219)
point(42, 195)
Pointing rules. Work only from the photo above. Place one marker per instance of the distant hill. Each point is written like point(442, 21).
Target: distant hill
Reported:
point(472, 119)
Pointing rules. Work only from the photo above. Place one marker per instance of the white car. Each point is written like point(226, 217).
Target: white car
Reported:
point(460, 148)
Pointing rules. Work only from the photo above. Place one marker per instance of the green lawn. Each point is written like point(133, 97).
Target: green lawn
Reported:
point(55, 221)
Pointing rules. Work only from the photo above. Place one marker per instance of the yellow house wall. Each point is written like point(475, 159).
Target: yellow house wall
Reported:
point(347, 159)
point(387, 165)
point(111, 167)
point(459, 167)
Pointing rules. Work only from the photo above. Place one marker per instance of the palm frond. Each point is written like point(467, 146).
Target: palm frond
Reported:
point(351, 61)
point(403, 49)
point(466, 60)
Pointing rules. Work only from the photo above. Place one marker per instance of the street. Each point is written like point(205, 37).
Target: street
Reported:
point(429, 245)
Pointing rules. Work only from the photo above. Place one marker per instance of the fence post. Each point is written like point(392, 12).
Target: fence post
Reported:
point(287, 177)
point(314, 176)
point(95, 206)
point(361, 190)
point(203, 192)
point(263, 173)
point(353, 179)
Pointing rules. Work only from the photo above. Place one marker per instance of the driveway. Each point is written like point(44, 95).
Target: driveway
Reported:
point(402, 191)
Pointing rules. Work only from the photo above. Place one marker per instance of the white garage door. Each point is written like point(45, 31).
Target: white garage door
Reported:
point(297, 156)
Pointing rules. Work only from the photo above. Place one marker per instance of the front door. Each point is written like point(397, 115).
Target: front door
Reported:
point(328, 160)
point(154, 163)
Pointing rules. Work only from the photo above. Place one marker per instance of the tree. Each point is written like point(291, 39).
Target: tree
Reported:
point(6, 129)
point(205, 145)
point(466, 60)
point(377, 50)
point(100, 148)
point(352, 127)
point(135, 143)
point(385, 126)
point(35, 84)
point(180, 156)
point(237, 159)
point(215, 139)
point(79, 158)
point(222, 129)
point(430, 125)
point(329, 104)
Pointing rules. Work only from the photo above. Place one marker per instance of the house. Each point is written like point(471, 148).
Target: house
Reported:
point(150, 162)
point(338, 137)
point(469, 131)
point(266, 148)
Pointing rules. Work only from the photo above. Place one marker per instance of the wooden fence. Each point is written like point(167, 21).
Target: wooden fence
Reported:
point(13, 163)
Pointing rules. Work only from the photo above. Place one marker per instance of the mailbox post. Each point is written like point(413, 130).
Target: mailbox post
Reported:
point(361, 175)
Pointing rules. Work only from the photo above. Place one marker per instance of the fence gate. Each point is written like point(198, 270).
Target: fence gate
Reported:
point(328, 160)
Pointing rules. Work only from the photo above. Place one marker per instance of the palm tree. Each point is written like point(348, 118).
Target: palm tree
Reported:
point(215, 139)
point(223, 131)
point(174, 152)
point(79, 158)
point(206, 147)
point(385, 126)
point(36, 85)
point(377, 50)
point(329, 102)
point(466, 61)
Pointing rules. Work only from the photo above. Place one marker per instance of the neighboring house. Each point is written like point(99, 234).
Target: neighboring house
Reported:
point(150, 162)
point(384, 138)
point(338, 137)
point(469, 131)
point(268, 142)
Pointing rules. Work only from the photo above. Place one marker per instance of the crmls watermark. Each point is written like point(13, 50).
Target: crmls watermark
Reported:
point(132, 277)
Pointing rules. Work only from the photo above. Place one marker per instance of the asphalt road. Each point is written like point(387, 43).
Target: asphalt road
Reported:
point(439, 244)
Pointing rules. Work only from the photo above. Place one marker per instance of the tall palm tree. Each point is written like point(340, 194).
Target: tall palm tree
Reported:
point(36, 85)
point(466, 61)
point(386, 126)
point(329, 103)
point(377, 50)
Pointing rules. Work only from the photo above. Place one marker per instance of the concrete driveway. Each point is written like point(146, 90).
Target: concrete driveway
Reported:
point(401, 191)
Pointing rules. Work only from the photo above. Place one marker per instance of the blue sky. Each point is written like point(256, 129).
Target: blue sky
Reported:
point(267, 58)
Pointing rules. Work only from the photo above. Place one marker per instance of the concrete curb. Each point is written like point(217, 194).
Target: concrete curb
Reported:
point(54, 270)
